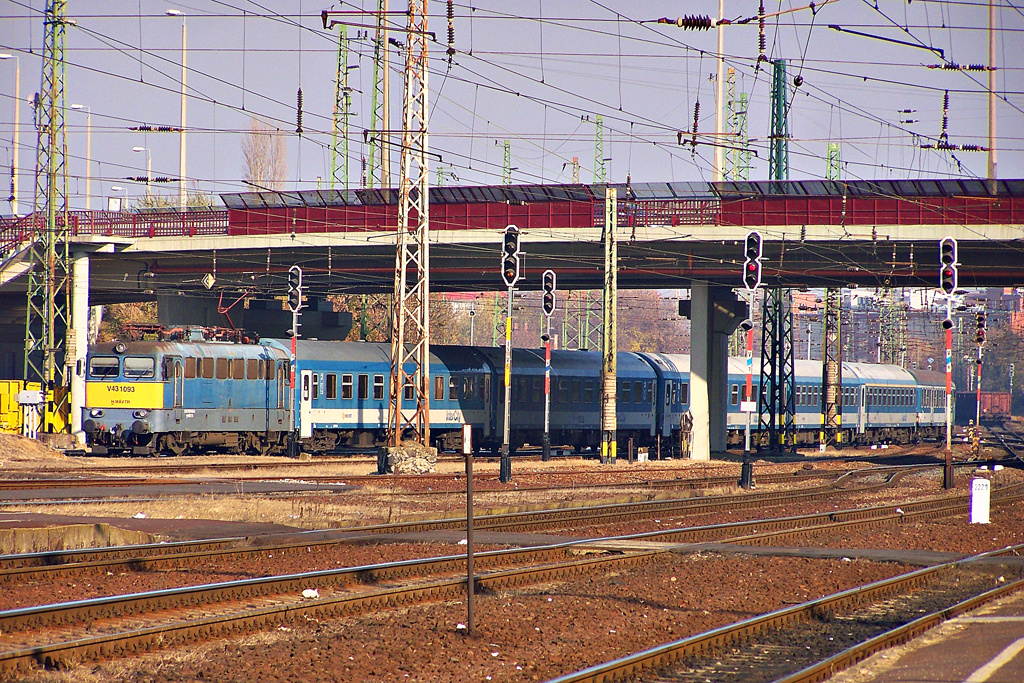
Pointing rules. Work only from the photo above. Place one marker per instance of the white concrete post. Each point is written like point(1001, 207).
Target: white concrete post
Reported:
point(80, 325)
point(700, 369)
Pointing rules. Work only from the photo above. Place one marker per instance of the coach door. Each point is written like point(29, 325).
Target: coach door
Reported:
point(306, 396)
point(861, 408)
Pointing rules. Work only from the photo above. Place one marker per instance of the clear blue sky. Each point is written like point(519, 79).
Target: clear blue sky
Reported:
point(530, 72)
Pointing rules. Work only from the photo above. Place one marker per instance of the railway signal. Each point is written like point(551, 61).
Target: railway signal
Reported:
point(752, 264)
point(549, 292)
point(510, 256)
point(980, 336)
point(295, 288)
point(947, 260)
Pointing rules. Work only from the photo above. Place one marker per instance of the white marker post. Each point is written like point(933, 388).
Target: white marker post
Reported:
point(981, 496)
point(467, 450)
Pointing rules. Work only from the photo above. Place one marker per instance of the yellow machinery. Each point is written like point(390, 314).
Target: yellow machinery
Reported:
point(12, 413)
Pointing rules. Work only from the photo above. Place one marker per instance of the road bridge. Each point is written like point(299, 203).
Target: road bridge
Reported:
point(670, 235)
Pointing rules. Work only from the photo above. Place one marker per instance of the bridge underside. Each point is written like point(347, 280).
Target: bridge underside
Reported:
point(124, 269)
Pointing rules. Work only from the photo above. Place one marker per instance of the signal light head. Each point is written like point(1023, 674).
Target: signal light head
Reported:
point(752, 246)
point(947, 324)
point(747, 324)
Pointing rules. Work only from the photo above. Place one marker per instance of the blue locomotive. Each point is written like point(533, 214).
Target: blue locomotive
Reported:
point(149, 397)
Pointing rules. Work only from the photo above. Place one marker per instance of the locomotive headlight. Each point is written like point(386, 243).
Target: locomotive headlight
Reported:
point(140, 413)
point(96, 412)
point(120, 347)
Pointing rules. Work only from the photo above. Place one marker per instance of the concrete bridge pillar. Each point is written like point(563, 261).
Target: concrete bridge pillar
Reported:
point(715, 313)
point(79, 340)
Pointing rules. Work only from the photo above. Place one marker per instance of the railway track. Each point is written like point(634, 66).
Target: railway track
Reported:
point(54, 635)
point(812, 641)
point(190, 553)
point(482, 482)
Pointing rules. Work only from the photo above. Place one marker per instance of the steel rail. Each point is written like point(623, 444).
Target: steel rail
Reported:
point(133, 641)
point(770, 530)
point(18, 567)
point(659, 658)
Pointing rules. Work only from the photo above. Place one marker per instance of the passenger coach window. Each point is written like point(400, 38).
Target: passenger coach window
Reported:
point(346, 387)
point(364, 387)
point(190, 368)
point(563, 391)
point(638, 392)
point(575, 391)
point(316, 385)
point(136, 366)
point(588, 391)
point(684, 394)
point(453, 388)
point(438, 388)
point(624, 392)
point(734, 395)
point(331, 390)
point(103, 366)
point(378, 387)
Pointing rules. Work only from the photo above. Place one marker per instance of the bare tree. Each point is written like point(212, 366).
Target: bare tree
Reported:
point(263, 150)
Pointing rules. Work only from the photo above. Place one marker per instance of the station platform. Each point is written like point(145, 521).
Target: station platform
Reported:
point(984, 646)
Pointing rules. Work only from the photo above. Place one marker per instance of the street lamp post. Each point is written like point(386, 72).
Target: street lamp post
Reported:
point(88, 153)
point(118, 188)
point(17, 106)
point(182, 197)
point(149, 167)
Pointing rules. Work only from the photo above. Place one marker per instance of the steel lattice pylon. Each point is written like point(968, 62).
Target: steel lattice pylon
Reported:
point(342, 102)
point(778, 157)
point(582, 328)
point(378, 169)
point(410, 342)
point(832, 372)
point(892, 328)
point(777, 402)
point(48, 315)
point(737, 154)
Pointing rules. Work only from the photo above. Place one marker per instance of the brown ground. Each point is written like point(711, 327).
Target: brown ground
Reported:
point(534, 633)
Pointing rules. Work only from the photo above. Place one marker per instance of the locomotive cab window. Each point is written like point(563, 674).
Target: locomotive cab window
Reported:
point(104, 366)
point(139, 367)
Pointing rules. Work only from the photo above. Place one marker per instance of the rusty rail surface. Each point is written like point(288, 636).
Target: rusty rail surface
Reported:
point(97, 560)
point(128, 642)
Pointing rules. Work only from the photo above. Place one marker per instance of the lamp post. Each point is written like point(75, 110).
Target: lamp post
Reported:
point(118, 188)
point(182, 197)
point(17, 105)
point(149, 167)
point(88, 153)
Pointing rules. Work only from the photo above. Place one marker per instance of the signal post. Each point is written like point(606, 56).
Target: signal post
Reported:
point(947, 283)
point(295, 304)
point(752, 250)
point(510, 275)
point(549, 308)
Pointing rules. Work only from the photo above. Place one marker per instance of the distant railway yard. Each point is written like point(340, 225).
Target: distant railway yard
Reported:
point(232, 568)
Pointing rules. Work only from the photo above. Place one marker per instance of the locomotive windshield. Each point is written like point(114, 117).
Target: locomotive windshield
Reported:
point(139, 367)
point(103, 366)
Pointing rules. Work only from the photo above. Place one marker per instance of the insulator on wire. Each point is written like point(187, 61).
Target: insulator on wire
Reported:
point(696, 119)
point(298, 111)
point(761, 42)
point(451, 30)
point(695, 22)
